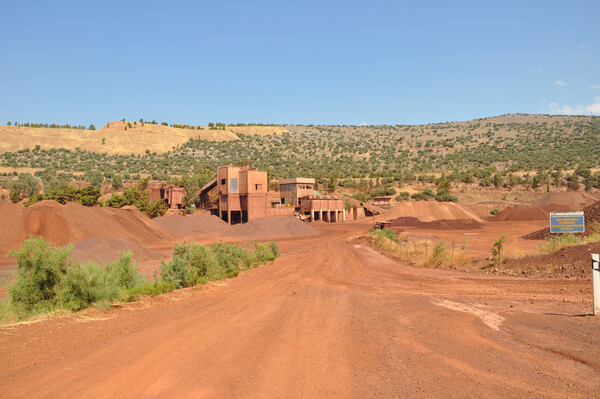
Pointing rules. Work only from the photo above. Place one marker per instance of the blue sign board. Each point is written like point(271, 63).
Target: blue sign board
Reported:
point(567, 222)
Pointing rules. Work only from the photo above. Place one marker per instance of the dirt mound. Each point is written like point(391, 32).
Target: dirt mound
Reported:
point(429, 211)
point(63, 224)
point(457, 224)
point(592, 216)
point(577, 200)
point(102, 250)
point(270, 227)
point(525, 214)
point(567, 262)
point(192, 225)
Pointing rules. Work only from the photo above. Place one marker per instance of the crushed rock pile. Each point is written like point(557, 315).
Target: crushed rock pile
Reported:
point(575, 199)
point(102, 250)
point(592, 216)
point(192, 225)
point(270, 228)
point(572, 262)
point(430, 211)
point(64, 224)
point(525, 214)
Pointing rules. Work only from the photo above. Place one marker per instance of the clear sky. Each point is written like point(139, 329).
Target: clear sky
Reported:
point(320, 62)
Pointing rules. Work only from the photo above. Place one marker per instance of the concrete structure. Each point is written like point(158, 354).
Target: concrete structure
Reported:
point(295, 188)
point(243, 193)
point(325, 208)
point(172, 194)
point(383, 201)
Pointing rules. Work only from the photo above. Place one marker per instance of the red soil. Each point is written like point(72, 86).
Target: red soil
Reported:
point(524, 214)
point(270, 228)
point(428, 211)
point(64, 224)
point(327, 319)
point(192, 225)
point(102, 250)
point(577, 199)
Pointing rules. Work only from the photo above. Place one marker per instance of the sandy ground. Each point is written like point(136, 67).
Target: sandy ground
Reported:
point(327, 319)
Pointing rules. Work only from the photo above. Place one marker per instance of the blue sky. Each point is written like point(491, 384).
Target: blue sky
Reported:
point(320, 62)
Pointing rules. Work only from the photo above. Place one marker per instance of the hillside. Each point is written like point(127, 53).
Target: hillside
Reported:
point(120, 137)
point(471, 150)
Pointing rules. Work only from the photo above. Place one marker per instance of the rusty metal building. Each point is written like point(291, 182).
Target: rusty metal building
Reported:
point(325, 208)
point(172, 194)
point(291, 190)
point(243, 193)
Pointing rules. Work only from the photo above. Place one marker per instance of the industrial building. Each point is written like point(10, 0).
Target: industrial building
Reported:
point(295, 188)
point(170, 193)
point(244, 195)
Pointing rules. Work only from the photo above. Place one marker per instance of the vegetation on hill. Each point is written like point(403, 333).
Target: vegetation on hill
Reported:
point(533, 151)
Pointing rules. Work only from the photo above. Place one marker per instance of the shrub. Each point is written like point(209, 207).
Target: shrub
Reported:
point(84, 285)
point(553, 244)
point(444, 196)
point(497, 250)
point(403, 196)
point(48, 278)
point(153, 289)
point(440, 253)
point(40, 268)
point(494, 211)
point(123, 272)
point(175, 272)
point(381, 235)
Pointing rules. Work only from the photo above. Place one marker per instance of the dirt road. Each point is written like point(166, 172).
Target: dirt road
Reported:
point(327, 319)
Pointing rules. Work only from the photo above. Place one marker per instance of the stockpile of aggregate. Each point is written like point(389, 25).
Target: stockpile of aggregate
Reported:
point(524, 214)
point(102, 250)
point(64, 224)
point(270, 228)
point(192, 225)
point(591, 214)
point(429, 211)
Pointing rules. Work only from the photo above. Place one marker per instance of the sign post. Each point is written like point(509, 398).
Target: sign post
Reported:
point(567, 222)
point(596, 282)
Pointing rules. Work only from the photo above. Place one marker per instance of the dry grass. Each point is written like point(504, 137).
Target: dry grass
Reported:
point(425, 253)
point(119, 140)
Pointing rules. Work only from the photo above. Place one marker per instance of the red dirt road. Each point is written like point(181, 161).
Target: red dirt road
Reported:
point(325, 320)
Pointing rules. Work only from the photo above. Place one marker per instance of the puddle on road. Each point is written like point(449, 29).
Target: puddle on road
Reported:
point(493, 320)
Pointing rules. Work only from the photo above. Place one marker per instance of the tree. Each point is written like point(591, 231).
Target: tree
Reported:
point(497, 250)
point(8, 123)
point(117, 181)
point(92, 127)
point(94, 177)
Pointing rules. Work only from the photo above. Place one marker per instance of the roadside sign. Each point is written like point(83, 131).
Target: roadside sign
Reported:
point(567, 222)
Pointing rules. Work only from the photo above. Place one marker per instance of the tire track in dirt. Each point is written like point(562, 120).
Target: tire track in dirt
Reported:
point(327, 319)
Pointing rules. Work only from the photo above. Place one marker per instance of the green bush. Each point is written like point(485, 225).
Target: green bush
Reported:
point(553, 244)
point(403, 196)
point(123, 272)
point(197, 263)
point(385, 235)
point(48, 279)
point(494, 211)
point(84, 285)
point(498, 249)
point(443, 195)
point(440, 253)
point(153, 289)
point(40, 268)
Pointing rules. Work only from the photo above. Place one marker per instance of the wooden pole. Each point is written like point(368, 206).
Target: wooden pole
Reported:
point(596, 283)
